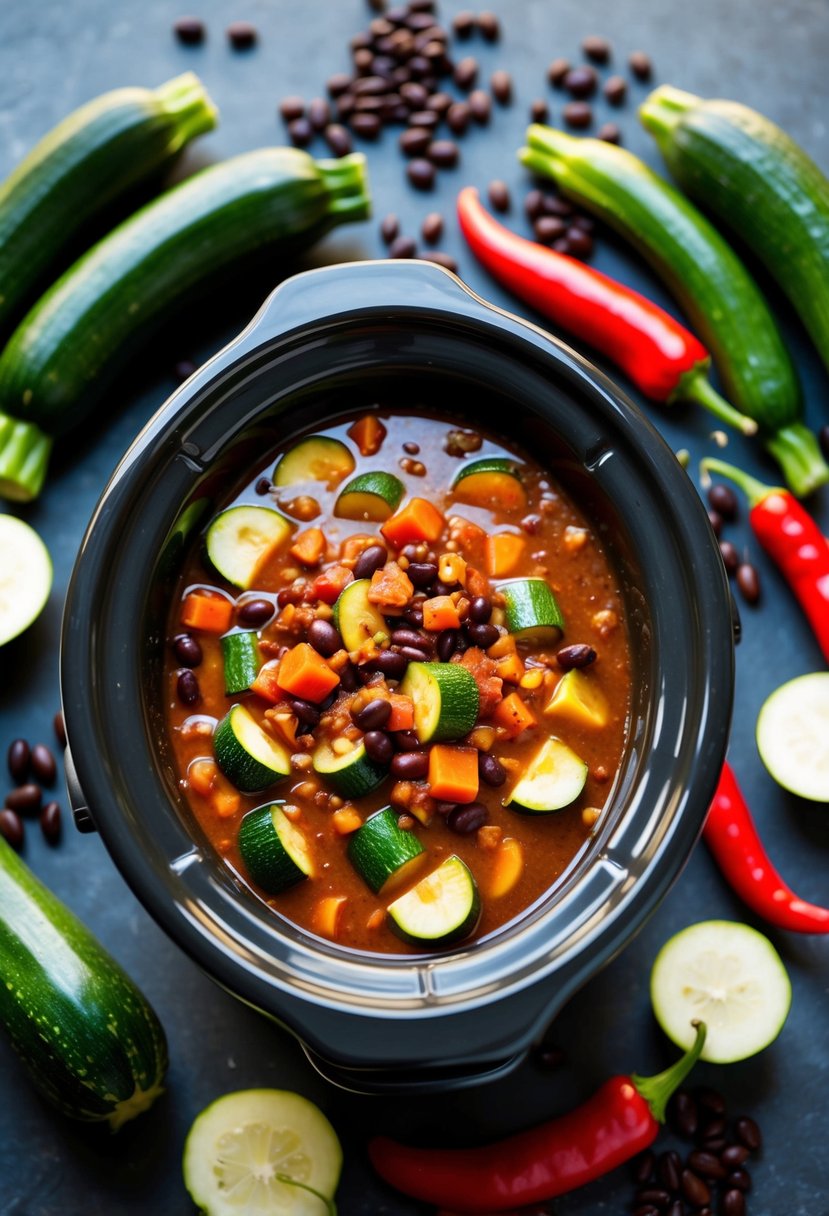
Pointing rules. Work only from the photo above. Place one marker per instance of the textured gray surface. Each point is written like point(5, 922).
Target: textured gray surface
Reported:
point(53, 56)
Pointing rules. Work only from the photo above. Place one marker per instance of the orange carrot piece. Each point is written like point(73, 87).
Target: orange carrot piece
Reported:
point(417, 520)
point(309, 546)
point(305, 674)
point(513, 715)
point(439, 613)
point(368, 433)
point(453, 773)
point(210, 613)
point(328, 585)
point(202, 775)
point(266, 684)
point(327, 914)
point(509, 864)
point(503, 553)
point(353, 546)
point(510, 668)
point(402, 712)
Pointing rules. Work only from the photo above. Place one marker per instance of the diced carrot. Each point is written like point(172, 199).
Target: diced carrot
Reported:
point(390, 587)
point(509, 864)
point(328, 585)
point(376, 919)
point(368, 433)
point(453, 773)
point(225, 802)
point(309, 546)
point(510, 668)
point(402, 712)
point(503, 553)
point(346, 820)
point(327, 914)
point(353, 546)
point(418, 520)
point(266, 684)
point(210, 613)
point(440, 613)
point(305, 674)
point(513, 715)
point(202, 775)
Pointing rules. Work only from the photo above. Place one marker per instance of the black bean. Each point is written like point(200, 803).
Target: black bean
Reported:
point(491, 769)
point(440, 588)
point(421, 6)
point(291, 108)
point(467, 819)
point(254, 612)
point(730, 556)
point(11, 827)
point(683, 1114)
point(654, 1195)
point(328, 701)
point(370, 560)
point(366, 125)
point(187, 650)
point(50, 822)
point(410, 766)
point(646, 1209)
point(741, 1179)
point(553, 205)
point(748, 1133)
point(300, 132)
point(463, 23)
point(391, 663)
point(583, 222)
point(360, 41)
point(539, 111)
point(338, 139)
point(733, 1203)
point(370, 104)
point(466, 72)
point(409, 637)
point(349, 678)
point(610, 133)
point(337, 84)
point(615, 90)
point(426, 120)
point(578, 114)
point(19, 757)
point(489, 27)
point(716, 522)
point(414, 616)
point(363, 61)
point(562, 245)
point(402, 247)
point(580, 82)
point(324, 637)
point(374, 715)
point(707, 1165)
point(694, 1189)
point(548, 228)
point(432, 229)
point(580, 654)
point(59, 728)
point(581, 243)
point(447, 644)
point(710, 1101)
point(415, 141)
point(189, 30)
point(501, 85)
point(187, 687)
point(642, 1168)
point(534, 204)
point(263, 485)
point(480, 609)
point(677, 1208)
point(457, 117)
point(378, 746)
point(748, 580)
point(498, 193)
point(480, 107)
point(440, 103)
point(443, 153)
point(640, 65)
point(410, 447)
point(406, 741)
point(25, 799)
point(669, 1169)
point(345, 105)
point(421, 173)
point(715, 1144)
point(370, 86)
point(734, 1155)
point(44, 768)
point(305, 712)
point(558, 72)
point(389, 228)
point(723, 499)
point(712, 1127)
point(385, 66)
point(241, 34)
point(482, 635)
point(596, 48)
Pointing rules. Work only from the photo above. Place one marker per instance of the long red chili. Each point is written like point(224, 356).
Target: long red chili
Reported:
point(659, 355)
point(731, 835)
point(791, 537)
point(620, 1120)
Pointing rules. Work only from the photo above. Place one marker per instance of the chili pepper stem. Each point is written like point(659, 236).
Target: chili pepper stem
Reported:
point(754, 490)
point(796, 450)
point(330, 1206)
point(695, 386)
point(657, 1090)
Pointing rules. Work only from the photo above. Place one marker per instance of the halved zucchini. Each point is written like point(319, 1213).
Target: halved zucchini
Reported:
point(356, 618)
point(371, 496)
point(317, 458)
point(247, 755)
point(239, 538)
point(242, 660)
point(578, 699)
point(274, 849)
point(351, 775)
point(442, 908)
point(380, 850)
point(445, 697)
point(553, 779)
point(531, 611)
point(492, 481)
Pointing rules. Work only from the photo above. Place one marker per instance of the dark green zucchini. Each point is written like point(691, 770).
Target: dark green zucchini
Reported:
point(755, 178)
point(95, 156)
point(709, 281)
point(63, 356)
point(89, 1039)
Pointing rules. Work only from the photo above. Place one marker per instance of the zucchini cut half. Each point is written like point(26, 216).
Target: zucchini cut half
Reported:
point(242, 660)
point(317, 458)
point(553, 779)
point(351, 775)
point(356, 618)
point(25, 577)
point(370, 496)
point(443, 907)
point(446, 700)
point(380, 850)
point(532, 614)
point(240, 538)
point(492, 481)
point(273, 849)
point(247, 755)
point(793, 735)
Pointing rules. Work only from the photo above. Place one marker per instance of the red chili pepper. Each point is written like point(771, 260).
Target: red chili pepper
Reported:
point(791, 537)
point(731, 835)
point(620, 1120)
point(659, 355)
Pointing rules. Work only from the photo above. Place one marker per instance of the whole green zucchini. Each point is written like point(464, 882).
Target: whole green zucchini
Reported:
point(63, 356)
point(89, 1039)
point(707, 278)
point(96, 155)
point(751, 175)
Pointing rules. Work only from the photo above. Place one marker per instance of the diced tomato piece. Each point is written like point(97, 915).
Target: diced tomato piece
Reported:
point(390, 587)
point(402, 712)
point(266, 684)
point(368, 433)
point(328, 585)
point(485, 673)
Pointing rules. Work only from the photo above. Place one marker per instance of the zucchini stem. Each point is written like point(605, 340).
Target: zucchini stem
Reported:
point(347, 183)
point(186, 99)
point(695, 386)
point(24, 458)
point(796, 450)
point(660, 112)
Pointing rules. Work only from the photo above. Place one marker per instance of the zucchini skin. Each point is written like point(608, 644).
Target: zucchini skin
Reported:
point(90, 1041)
point(747, 171)
point(93, 157)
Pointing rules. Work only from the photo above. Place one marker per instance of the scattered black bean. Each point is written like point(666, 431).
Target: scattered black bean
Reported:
point(580, 242)
point(714, 1144)
point(578, 114)
point(534, 204)
point(402, 247)
point(734, 1155)
point(365, 125)
point(562, 245)
point(713, 1127)
point(480, 107)
point(501, 85)
point(431, 230)
point(345, 106)
point(716, 522)
point(25, 799)
point(370, 561)
point(50, 822)
point(694, 1189)
point(410, 766)
point(748, 581)
point(414, 616)
point(426, 120)
point(610, 133)
point(615, 90)
point(480, 609)
point(466, 73)
point(18, 758)
point(255, 612)
point(482, 635)
point(489, 26)
point(491, 769)
point(414, 654)
point(683, 1114)
point(596, 48)
point(409, 637)
point(730, 556)
point(707, 1165)
point(391, 663)
point(324, 637)
point(421, 173)
point(654, 1195)
point(421, 6)
point(498, 193)
point(43, 764)
point(457, 117)
point(187, 687)
point(553, 205)
point(378, 746)
point(741, 1179)
point(539, 111)
point(415, 141)
point(422, 574)
point(11, 827)
point(337, 84)
point(558, 72)
point(440, 103)
point(669, 1169)
point(580, 82)
point(748, 1133)
point(59, 728)
point(349, 678)
point(583, 222)
point(710, 1101)
point(443, 153)
point(580, 654)
point(549, 228)
point(414, 94)
point(640, 65)
point(338, 139)
point(364, 61)
point(263, 486)
point(447, 644)
point(733, 1203)
point(291, 108)
point(723, 499)
point(241, 35)
point(642, 1168)
point(189, 30)
point(646, 1209)
point(463, 24)
point(467, 819)
point(300, 132)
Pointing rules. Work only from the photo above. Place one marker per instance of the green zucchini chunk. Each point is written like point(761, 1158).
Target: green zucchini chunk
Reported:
point(240, 538)
point(351, 775)
point(317, 458)
point(443, 907)
point(242, 660)
point(532, 611)
point(273, 849)
point(446, 700)
point(553, 779)
point(356, 618)
point(89, 1039)
point(247, 755)
point(370, 496)
point(380, 850)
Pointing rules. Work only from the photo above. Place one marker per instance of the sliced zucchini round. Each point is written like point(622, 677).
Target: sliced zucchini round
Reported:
point(25, 576)
point(532, 612)
point(351, 775)
point(492, 481)
point(552, 780)
point(380, 850)
point(445, 697)
point(317, 458)
point(793, 736)
point(274, 849)
point(356, 618)
point(370, 496)
point(240, 538)
point(242, 660)
point(443, 907)
point(247, 755)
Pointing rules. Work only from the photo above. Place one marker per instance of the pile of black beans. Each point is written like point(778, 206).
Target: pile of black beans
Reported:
point(31, 768)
